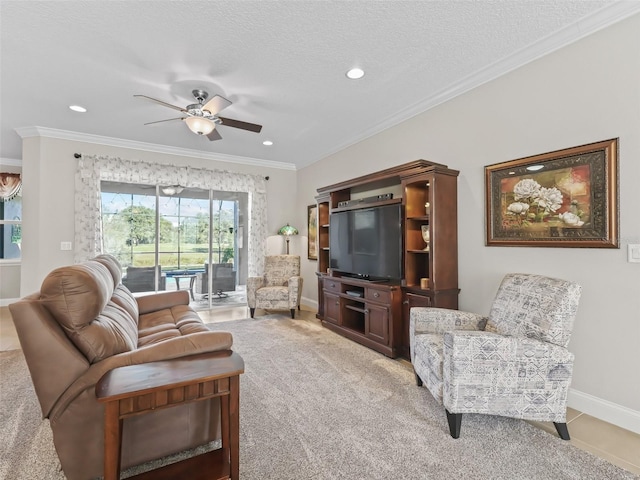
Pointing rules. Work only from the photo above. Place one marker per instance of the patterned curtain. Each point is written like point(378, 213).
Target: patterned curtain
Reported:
point(92, 169)
point(10, 186)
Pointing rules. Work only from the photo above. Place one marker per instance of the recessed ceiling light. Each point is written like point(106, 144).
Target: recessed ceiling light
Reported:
point(355, 73)
point(77, 108)
point(267, 143)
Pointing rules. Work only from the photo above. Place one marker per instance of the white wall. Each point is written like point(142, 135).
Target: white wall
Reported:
point(48, 197)
point(586, 92)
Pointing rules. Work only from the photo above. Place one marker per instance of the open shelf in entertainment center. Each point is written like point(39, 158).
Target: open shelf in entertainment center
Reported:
point(355, 309)
point(364, 204)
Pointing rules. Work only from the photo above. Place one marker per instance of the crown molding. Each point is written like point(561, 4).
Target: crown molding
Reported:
point(26, 132)
point(586, 26)
point(10, 162)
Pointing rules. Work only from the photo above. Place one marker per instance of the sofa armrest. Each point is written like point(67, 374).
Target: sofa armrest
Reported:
point(169, 349)
point(161, 301)
point(253, 284)
point(440, 320)
point(500, 366)
point(294, 284)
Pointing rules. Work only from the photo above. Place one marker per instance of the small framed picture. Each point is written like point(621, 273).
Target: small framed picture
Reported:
point(312, 232)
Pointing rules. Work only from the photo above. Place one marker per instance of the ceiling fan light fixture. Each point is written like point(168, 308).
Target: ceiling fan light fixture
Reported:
point(172, 190)
point(200, 125)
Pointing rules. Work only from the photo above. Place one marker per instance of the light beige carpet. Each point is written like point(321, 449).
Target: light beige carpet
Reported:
point(314, 405)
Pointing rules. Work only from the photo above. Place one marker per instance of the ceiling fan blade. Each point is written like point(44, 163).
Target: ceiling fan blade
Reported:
point(229, 122)
point(214, 135)
point(161, 103)
point(216, 104)
point(167, 120)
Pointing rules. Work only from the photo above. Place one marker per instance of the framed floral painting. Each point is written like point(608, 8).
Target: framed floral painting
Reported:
point(566, 198)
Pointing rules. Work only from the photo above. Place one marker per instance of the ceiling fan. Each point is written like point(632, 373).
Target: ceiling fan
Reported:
point(202, 118)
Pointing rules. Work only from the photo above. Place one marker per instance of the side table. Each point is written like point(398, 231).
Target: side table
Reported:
point(192, 281)
point(138, 389)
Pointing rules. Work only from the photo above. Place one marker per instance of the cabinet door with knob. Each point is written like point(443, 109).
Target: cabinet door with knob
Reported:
point(376, 323)
point(332, 308)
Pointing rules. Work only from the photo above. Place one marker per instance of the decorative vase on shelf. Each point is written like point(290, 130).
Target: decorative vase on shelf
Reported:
point(425, 237)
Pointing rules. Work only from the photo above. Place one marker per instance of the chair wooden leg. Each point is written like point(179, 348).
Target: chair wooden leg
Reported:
point(293, 313)
point(563, 431)
point(252, 311)
point(455, 421)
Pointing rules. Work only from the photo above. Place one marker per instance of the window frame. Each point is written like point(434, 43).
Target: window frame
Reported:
point(9, 223)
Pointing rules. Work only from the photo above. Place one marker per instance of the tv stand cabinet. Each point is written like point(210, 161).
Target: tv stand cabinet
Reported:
point(427, 192)
point(369, 313)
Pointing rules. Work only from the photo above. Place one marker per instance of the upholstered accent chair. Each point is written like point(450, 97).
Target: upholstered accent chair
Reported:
point(513, 363)
point(279, 288)
point(143, 279)
point(224, 279)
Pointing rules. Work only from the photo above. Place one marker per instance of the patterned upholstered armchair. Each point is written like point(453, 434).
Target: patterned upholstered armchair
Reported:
point(279, 288)
point(514, 363)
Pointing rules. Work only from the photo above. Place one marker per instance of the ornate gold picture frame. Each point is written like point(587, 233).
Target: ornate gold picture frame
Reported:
point(565, 198)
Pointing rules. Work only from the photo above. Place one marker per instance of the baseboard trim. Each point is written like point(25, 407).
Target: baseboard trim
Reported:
point(6, 301)
point(309, 302)
point(610, 412)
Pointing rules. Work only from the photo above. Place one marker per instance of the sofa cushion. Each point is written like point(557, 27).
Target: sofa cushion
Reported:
point(161, 325)
point(79, 297)
point(112, 264)
point(267, 295)
point(125, 299)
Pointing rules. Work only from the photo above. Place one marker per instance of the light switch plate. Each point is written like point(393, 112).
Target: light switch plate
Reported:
point(633, 253)
point(65, 245)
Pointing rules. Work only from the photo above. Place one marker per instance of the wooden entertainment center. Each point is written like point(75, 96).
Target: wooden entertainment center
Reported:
point(373, 313)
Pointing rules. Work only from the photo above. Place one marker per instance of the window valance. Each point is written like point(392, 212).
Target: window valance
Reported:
point(10, 186)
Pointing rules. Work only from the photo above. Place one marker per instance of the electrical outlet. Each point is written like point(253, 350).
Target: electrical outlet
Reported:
point(65, 245)
point(633, 253)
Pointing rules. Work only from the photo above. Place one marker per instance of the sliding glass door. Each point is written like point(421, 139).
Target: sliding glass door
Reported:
point(129, 223)
point(184, 220)
point(169, 238)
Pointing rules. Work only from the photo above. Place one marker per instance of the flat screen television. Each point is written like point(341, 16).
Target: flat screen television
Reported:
point(367, 243)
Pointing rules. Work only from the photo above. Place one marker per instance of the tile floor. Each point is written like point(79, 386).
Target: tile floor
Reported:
point(614, 444)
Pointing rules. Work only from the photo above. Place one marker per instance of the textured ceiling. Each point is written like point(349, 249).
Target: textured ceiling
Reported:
point(281, 63)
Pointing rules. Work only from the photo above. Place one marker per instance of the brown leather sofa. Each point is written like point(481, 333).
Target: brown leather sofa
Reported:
point(82, 324)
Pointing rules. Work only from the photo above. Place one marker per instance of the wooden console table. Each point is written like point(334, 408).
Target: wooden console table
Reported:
point(139, 389)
